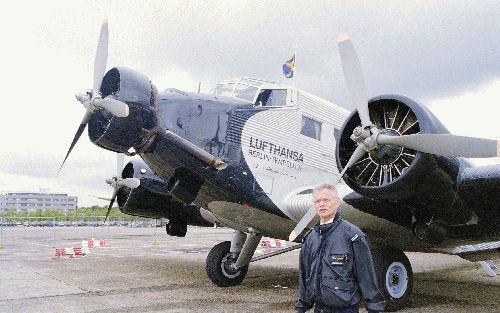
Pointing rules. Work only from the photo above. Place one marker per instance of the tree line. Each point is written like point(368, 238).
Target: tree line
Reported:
point(70, 215)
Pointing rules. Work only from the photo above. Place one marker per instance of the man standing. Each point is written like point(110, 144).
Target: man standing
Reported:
point(336, 266)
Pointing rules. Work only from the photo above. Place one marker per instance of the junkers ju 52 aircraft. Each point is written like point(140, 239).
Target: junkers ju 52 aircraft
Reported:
point(248, 155)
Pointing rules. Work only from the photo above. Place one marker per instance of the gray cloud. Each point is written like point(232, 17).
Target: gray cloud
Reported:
point(420, 49)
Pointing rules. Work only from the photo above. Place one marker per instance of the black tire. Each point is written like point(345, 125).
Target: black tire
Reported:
point(394, 276)
point(219, 270)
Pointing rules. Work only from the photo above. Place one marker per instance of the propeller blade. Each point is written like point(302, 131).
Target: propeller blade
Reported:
point(445, 144)
point(101, 56)
point(302, 224)
point(120, 160)
point(356, 155)
point(115, 192)
point(102, 198)
point(131, 183)
point(307, 218)
point(79, 132)
point(354, 78)
point(115, 107)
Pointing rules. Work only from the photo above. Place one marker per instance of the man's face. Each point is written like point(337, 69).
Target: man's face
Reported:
point(325, 203)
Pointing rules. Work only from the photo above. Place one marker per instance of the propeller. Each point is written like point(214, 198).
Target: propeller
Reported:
point(92, 99)
point(368, 136)
point(117, 182)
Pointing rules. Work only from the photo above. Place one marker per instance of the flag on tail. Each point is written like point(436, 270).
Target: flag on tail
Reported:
point(289, 67)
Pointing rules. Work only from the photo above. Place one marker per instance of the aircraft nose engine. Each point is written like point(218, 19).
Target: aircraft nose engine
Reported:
point(120, 134)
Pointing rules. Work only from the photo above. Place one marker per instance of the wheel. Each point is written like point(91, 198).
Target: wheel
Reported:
point(220, 268)
point(394, 276)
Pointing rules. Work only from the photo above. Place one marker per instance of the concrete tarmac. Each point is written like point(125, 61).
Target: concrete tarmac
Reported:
point(145, 270)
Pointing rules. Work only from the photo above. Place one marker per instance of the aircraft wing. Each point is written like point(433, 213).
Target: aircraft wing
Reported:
point(482, 184)
point(476, 240)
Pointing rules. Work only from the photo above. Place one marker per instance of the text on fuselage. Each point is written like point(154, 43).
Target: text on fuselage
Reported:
point(275, 149)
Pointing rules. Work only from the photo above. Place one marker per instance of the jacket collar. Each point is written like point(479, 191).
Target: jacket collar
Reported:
point(325, 229)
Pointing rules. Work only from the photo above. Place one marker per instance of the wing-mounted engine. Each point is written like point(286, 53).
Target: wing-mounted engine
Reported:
point(121, 133)
point(421, 187)
point(390, 171)
point(394, 150)
point(150, 199)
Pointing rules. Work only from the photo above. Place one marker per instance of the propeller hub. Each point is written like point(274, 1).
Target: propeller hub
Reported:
point(95, 95)
point(88, 98)
point(112, 181)
point(386, 154)
point(359, 134)
point(84, 98)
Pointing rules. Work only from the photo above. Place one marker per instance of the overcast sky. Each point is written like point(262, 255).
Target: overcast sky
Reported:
point(445, 54)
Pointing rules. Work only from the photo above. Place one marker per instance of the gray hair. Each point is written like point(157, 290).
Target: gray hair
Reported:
point(328, 186)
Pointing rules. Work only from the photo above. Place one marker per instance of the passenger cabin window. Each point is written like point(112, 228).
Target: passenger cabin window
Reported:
point(311, 128)
point(271, 97)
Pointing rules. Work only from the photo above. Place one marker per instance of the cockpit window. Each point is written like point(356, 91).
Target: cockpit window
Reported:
point(271, 97)
point(224, 90)
point(245, 92)
point(250, 81)
point(252, 90)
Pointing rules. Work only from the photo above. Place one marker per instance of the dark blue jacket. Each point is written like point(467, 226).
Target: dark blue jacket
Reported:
point(336, 268)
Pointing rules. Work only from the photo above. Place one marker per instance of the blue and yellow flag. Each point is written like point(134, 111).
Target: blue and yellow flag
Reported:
point(289, 67)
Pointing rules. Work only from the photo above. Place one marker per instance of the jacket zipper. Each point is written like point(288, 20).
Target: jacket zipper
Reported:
point(320, 266)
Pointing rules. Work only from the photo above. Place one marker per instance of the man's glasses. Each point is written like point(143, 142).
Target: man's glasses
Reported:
point(326, 200)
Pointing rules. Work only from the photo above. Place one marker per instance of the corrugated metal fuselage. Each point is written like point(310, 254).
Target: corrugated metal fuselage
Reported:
point(274, 163)
point(269, 158)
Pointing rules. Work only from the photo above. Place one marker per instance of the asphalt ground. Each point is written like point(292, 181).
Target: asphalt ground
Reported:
point(145, 270)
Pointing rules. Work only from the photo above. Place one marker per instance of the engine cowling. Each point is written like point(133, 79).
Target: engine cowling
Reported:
point(119, 134)
point(391, 172)
point(151, 199)
point(414, 189)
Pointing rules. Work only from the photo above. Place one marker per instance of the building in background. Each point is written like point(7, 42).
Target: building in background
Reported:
point(32, 201)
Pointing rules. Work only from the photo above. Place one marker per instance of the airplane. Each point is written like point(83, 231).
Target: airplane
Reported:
point(248, 156)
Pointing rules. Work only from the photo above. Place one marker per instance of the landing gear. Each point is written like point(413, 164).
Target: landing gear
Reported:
point(394, 276)
point(227, 262)
point(221, 266)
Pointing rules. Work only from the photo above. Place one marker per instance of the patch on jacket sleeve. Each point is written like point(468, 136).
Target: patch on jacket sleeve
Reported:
point(354, 238)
